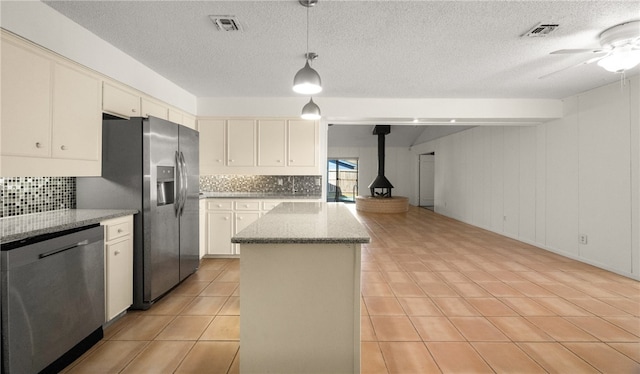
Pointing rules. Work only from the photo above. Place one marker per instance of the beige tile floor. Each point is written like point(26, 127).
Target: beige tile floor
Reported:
point(437, 296)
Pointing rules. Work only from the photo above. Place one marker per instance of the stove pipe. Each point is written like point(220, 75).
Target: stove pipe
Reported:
point(381, 182)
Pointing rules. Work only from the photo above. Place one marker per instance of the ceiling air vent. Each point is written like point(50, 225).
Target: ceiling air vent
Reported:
point(541, 30)
point(226, 23)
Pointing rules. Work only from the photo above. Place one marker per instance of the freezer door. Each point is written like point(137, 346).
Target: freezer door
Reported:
point(161, 226)
point(189, 219)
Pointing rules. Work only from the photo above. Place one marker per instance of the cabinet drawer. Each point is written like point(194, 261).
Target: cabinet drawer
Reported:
point(247, 205)
point(219, 205)
point(268, 205)
point(118, 230)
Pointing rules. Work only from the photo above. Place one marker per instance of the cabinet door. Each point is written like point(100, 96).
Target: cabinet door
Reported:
point(189, 121)
point(271, 141)
point(119, 287)
point(212, 145)
point(119, 102)
point(202, 227)
point(241, 143)
point(302, 143)
point(244, 219)
point(219, 232)
point(77, 115)
point(175, 116)
point(155, 109)
point(26, 102)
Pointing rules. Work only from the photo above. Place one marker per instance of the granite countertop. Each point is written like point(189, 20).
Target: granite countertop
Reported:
point(258, 195)
point(29, 225)
point(305, 222)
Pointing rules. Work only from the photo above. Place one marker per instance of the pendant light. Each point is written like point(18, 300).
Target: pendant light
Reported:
point(311, 111)
point(307, 80)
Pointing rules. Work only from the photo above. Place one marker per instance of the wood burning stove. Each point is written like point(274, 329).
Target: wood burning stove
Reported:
point(381, 187)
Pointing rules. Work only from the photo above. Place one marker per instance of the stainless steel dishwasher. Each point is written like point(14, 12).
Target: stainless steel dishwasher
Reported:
point(52, 299)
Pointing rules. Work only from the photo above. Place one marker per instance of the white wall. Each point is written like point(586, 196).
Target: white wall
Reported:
point(39, 23)
point(400, 168)
point(547, 185)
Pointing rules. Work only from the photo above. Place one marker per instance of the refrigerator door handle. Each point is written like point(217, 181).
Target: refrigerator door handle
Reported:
point(178, 189)
point(185, 181)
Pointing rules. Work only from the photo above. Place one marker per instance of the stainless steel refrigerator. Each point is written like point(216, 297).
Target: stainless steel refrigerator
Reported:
point(151, 165)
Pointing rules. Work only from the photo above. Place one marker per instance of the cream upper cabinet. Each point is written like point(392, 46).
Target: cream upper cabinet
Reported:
point(265, 146)
point(119, 102)
point(51, 113)
point(176, 116)
point(241, 142)
point(212, 146)
point(302, 143)
point(271, 141)
point(154, 109)
point(189, 121)
point(26, 101)
point(77, 115)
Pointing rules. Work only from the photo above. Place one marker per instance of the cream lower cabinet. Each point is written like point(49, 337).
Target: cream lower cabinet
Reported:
point(118, 245)
point(245, 212)
point(224, 220)
point(227, 217)
point(219, 227)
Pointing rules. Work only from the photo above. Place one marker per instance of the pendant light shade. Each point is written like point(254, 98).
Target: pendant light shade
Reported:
point(311, 111)
point(307, 81)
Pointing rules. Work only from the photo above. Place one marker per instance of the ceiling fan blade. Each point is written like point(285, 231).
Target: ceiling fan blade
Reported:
point(570, 51)
point(589, 61)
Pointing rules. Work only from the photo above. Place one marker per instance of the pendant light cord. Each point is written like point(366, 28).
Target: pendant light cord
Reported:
point(307, 55)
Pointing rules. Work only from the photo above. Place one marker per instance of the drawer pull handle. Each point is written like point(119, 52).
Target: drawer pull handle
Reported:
point(116, 252)
point(133, 110)
point(63, 147)
point(38, 145)
point(119, 231)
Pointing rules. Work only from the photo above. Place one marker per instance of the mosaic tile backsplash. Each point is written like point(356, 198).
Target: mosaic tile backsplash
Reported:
point(25, 195)
point(284, 184)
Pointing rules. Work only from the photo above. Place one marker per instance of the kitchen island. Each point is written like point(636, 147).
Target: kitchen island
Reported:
point(300, 290)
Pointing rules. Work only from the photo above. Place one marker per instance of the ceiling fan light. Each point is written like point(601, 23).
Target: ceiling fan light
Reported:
point(307, 81)
point(621, 61)
point(311, 111)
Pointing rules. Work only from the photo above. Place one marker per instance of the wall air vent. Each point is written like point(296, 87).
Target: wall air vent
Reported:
point(226, 23)
point(541, 30)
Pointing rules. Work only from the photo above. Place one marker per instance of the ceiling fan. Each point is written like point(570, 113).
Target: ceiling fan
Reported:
point(619, 49)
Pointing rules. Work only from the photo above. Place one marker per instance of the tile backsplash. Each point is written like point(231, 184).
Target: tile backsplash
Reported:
point(284, 184)
point(25, 195)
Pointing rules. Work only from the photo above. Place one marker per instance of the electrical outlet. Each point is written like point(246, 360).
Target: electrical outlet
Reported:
point(582, 239)
point(317, 181)
point(279, 181)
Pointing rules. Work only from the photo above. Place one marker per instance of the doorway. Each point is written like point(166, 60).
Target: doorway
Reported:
point(426, 182)
point(342, 180)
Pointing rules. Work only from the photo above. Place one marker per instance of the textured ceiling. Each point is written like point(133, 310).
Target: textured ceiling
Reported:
point(386, 49)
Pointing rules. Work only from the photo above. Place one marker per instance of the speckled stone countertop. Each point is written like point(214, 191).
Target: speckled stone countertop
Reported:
point(29, 225)
point(305, 222)
point(258, 195)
